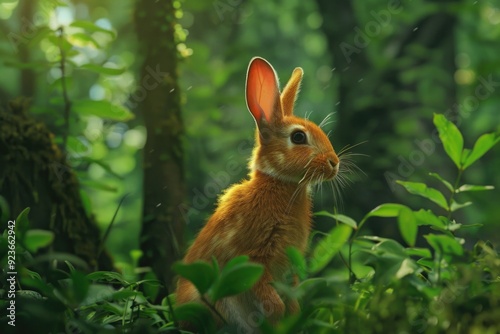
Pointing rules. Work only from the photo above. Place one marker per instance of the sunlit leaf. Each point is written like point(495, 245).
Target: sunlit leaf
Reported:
point(451, 138)
point(470, 187)
point(84, 39)
point(91, 27)
point(102, 108)
point(387, 210)
point(421, 252)
point(456, 206)
point(444, 244)
point(408, 228)
point(103, 69)
point(427, 217)
point(482, 145)
point(330, 245)
point(443, 181)
point(421, 189)
point(338, 217)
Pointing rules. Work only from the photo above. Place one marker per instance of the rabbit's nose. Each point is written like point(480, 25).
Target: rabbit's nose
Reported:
point(333, 164)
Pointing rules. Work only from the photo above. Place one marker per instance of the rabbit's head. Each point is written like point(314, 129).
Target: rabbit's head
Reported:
point(288, 148)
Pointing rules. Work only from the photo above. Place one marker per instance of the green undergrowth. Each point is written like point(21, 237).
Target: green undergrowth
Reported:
point(350, 281)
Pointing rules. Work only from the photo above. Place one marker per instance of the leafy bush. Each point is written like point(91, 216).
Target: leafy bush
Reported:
point(384, 286)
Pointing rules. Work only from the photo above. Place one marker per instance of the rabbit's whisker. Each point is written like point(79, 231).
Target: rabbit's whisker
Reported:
point(350, 147)
point(325, 120)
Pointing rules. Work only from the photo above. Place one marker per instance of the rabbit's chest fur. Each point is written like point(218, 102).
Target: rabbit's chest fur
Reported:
point(256, 218)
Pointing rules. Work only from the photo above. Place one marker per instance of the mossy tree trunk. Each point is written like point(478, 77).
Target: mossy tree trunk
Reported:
point(34, 173)
point(160, 105)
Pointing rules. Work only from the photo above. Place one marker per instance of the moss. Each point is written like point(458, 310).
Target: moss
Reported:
point(34, 173)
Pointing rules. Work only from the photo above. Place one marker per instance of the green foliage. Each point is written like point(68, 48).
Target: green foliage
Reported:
point(237, 276)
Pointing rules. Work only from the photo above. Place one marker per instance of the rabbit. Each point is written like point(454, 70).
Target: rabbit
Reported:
point(263, 215)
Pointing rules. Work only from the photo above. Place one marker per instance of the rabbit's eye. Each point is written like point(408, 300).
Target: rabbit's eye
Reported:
point(299, 137)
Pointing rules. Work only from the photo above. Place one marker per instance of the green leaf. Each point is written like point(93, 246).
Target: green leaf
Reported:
point(236, 279)
point(60, 42)
point(102, 69)
point(470, 187)
point(421, 189)
point(22, 223)
point(200, 273)
point(36, 239)
point(408, 228)
point(98, 185)
point(482, 145)
point(102, 108)
point(77, 147)
point(338, 217)
point(443, 181)
point(198, 315)
point(330, 245)
point(386, 210)
point(99, 292)
point(152, 286)
point(456, 206)
point(444, 244)
point(421, 252)
point(91, 27)
point(80, 286)
point(84, 39)
point(298, 262)
point(390, 261)
point(451, 138)
point(427, 217)
point(107, 276)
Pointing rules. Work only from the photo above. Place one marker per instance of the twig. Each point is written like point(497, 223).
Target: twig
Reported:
point(213, 309)
point(455, 186)
point(67, 102)
point(108, 230)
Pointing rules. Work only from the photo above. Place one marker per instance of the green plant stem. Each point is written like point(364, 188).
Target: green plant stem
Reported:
point(455, 187)
point(67, 102)
point(213, 309)
point(170, 306)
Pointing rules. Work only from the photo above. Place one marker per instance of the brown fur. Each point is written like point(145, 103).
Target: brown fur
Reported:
point(270, 211)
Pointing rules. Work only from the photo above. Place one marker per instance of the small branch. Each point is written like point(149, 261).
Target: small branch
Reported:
point(455, 186)
point(213, 309)
point(169, 302)
point(67, 102)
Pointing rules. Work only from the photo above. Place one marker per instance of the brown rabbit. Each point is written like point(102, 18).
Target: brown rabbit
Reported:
point(271, 211)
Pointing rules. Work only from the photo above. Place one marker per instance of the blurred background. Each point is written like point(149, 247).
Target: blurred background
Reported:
point(382, 67)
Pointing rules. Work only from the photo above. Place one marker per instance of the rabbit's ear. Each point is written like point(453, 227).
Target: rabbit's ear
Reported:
point(262, 92)
point(291, 90)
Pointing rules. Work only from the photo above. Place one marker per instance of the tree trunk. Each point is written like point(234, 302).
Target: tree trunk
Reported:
point(28, 78)
point(34, 173)
point(162, 225)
